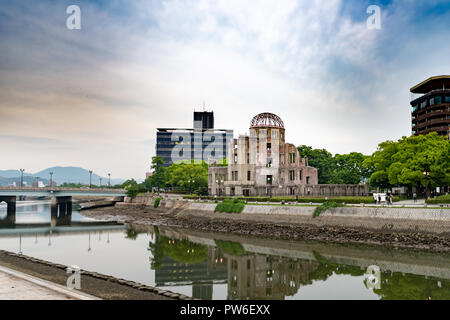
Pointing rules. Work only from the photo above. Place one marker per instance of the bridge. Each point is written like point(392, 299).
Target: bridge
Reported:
point(61, 206)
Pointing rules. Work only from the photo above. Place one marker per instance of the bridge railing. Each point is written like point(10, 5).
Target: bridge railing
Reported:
point(57, 189)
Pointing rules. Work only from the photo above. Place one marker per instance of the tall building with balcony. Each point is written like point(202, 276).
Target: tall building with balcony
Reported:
point(201, 143)
point(431, 106)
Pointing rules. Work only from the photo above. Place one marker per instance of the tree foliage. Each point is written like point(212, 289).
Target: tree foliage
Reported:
point(418, 161)
point(338, 169)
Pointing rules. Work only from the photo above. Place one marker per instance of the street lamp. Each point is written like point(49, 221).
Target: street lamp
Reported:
point(21, 177)
point(90, 178)
point(191, 181)
point(109, 179)
point(51, 180)
point(100, 181)
point(219, 181)
point(426, 183)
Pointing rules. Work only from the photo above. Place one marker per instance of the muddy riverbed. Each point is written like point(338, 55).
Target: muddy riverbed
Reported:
point(274, 227)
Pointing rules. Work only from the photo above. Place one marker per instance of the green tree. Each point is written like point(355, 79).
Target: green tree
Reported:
point(320, 159)
point(418, 161)
point(189, 177)
point(349, 169)
point(158, 179)
point(132, 188)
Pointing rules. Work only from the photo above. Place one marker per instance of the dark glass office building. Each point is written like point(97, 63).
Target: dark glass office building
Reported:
point(431, 110)
point(202, 143)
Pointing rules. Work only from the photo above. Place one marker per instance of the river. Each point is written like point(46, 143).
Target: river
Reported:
point(224, 266)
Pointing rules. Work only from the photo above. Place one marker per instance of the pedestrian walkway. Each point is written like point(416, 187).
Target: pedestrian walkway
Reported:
point(16, 285)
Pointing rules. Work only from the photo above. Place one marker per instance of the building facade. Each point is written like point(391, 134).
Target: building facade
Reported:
point(201, 143)
point(263, 164)
point(431, 110)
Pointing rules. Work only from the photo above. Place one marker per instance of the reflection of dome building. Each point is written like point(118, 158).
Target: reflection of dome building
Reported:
point(263, 164)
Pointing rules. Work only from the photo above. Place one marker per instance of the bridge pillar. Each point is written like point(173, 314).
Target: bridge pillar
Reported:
point(61, 211)
point(10, 219)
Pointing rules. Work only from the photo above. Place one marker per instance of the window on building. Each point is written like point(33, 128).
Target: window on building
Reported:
point(447, 99)
point(292, 175)
point(248, 157)
point(234, 175)
point(414, 107)
point(291, 191)
point(269, 163)
point(307, 180)
point(249, 175)
point(438, 100)
point(269, 146)
point(301, 175)
point(291, 157)
point(423, 104)
point(269, 179)
point(431, 101)
point(235, 158)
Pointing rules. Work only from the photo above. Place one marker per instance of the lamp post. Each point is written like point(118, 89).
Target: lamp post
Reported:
point(100, 181)
point(191, 181)
point(219, 182)
point(426, 174)
point(21, 177)
point(90, 178)
point(109, 179)
point(51, 180)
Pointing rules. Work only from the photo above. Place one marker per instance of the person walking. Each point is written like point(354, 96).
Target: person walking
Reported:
point(415, 197)
point(379, 198)
point(391, 199)
point(375, 198)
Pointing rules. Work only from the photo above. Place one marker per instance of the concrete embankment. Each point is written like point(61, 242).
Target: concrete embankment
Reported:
point(435, 220)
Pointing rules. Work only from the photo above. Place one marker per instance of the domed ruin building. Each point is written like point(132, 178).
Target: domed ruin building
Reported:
point(263, 164)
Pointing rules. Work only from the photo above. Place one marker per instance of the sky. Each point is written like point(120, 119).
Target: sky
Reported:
point(94, 97)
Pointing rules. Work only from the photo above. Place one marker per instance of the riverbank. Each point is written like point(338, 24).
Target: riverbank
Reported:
point(92, 283)
point(425, 229)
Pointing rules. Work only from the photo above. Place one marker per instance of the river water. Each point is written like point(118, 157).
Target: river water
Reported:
point(223, 266)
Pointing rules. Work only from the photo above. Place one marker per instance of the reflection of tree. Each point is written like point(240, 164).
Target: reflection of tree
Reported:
point(232, 248)
point(397, 286)
point(182, 251)
point(327, 268)
point(131, 233)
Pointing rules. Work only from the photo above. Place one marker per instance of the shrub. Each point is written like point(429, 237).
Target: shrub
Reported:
point(325, 206)
point(157, 201)
point(440, 199)
point(230, 206)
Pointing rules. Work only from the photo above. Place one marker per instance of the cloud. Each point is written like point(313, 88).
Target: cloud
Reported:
point(136, 66)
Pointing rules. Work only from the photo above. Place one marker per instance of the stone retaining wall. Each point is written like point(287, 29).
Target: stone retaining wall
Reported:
point(96, 275)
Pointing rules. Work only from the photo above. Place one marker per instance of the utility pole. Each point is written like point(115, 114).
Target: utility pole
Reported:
point(90, 178)
point(21, 177)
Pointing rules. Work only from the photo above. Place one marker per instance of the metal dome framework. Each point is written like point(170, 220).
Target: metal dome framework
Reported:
point(267, 120)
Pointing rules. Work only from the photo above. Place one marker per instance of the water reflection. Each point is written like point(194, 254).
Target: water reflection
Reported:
point(250, 275)
point(221, 266)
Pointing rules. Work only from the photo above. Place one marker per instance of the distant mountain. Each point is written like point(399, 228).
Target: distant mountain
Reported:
point(60, 176)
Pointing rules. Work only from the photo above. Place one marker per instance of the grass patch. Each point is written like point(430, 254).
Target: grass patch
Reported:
point(156, 203)
point(230, 206)
point(325, 206)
